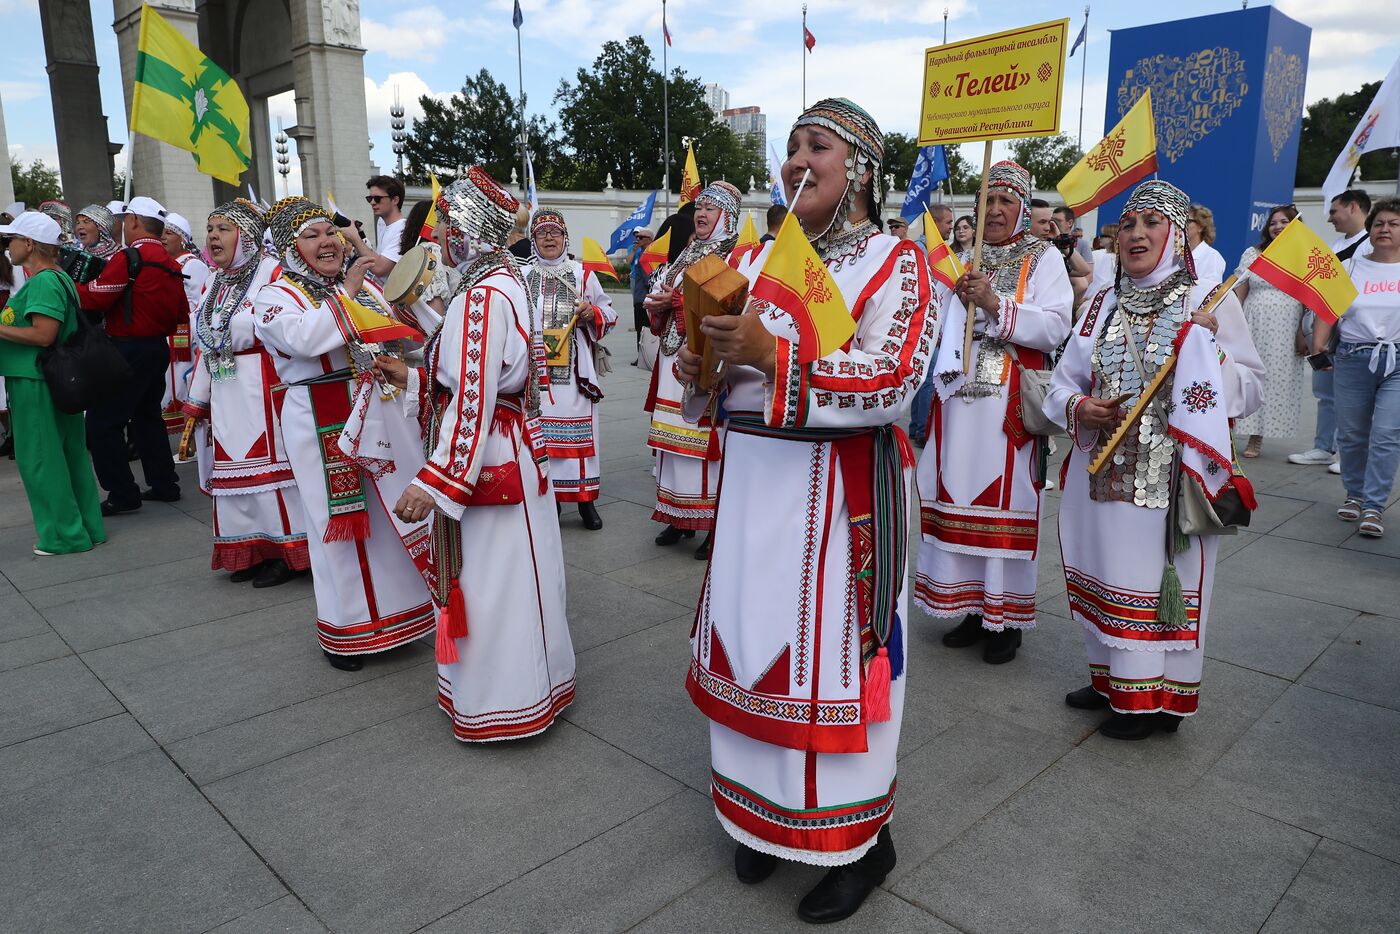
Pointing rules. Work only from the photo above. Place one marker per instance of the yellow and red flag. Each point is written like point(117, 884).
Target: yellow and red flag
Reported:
point(796, 280)
point(1301, 265)
point(374, 328)
point(1124, 157)
point(430, 222)
point(748, 239)
point(596, 260)
point(690, 179)
point(656, 253)
point(943, 263)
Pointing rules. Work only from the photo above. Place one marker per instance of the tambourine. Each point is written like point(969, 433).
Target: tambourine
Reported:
point(412, 275)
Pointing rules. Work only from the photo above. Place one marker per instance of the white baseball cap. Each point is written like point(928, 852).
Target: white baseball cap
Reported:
point(142, 206)
point(37, 227)
point(179, 223)
point(14, 210)
point(115, 207)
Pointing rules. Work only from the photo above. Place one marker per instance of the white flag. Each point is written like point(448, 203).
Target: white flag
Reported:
point(1379, 129)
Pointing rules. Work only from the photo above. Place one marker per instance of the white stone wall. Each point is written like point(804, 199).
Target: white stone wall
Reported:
point(7, 188)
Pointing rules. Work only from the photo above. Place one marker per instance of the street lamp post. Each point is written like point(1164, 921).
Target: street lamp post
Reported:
point(284, 162)
point(396, 121)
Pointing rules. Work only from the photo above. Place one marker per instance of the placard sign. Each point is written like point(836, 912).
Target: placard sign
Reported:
point(1002, 86)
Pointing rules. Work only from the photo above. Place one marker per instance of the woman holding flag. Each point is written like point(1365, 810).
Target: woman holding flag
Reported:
point(982, 472)
point(798, 643)
point(687, 454)
point(568, 301)
point(324, 325)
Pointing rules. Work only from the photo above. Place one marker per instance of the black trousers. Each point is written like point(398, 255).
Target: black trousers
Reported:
point(640, 320)
point(135, 409)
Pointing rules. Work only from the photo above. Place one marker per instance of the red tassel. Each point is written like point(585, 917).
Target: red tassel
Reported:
point(875, 705)
point(347, 527)
point(446, 646)
point(1246, 491)
point(456, 613)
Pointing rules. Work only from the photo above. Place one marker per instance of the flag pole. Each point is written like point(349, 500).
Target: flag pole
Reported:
point(130, 144)
point(665, 114)
point(977, 251)
point(804, 56)
point(520, 77)
point(1083, 68)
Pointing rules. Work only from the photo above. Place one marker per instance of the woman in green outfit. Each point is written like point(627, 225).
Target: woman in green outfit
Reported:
point(50, 446)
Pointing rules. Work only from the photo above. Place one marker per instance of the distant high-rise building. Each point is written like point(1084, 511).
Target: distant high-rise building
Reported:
point(747, 121)
point(717, 97)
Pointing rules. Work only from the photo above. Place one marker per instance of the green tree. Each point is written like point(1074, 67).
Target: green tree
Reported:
point(35, 184)
point(901, 152)
point(479, 126)
point(1047, 158)
point(610, 119)
point(1327, 128)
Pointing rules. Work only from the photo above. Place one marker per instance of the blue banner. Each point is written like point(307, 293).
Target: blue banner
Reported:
point(622, 237)
point(930, 168)
point(1227, 93)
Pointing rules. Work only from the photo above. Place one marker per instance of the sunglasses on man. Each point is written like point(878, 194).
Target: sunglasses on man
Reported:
point(374, 199)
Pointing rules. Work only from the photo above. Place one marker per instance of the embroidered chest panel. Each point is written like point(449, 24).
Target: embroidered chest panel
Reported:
point(555, 294)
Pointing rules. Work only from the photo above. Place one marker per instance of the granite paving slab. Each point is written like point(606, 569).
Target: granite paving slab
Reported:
point(1340, 889)
point(1361, 663)
point(50, 696)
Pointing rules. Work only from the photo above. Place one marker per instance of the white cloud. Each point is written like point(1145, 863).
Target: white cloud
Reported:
point(1344, 34)
point(379, 97)
point(418, 33)
point(15, 91)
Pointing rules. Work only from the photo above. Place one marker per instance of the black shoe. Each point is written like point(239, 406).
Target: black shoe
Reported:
point(7, 449)
point(703, 552)
point(589, 514)
point(272, 573)
point(670, 535)
point(245, 575)
point(344, 662)
point(843, 889)
point(1001, 647)
point(751, 866)
point(167, 496)
point(1167, 722)
point(110, 508)
point(1086, 699)
point(1129, 726)
point(968, 632)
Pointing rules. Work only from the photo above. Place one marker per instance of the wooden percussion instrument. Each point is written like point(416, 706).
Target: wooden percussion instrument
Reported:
point(711, 287)
point(411, 276)
point(556, 343)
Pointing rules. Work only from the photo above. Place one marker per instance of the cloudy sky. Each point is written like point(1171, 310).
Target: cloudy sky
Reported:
point(869, 51)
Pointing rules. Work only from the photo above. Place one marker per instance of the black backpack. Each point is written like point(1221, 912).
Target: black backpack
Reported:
point(134, 265)
point(85, 368)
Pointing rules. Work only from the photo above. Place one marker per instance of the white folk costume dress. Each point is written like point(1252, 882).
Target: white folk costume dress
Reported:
point(981, 473)
point(569, 399)
point(235, 388)
point(181, 369)
point(687, 453)
point(1146, 646)
point(506, 661)
point(370, 595)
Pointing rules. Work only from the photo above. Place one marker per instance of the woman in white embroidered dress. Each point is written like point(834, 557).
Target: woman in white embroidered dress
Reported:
point(797, 650)
point(505, 659)
point(1142, 598)
point(259, 531)
point(560, 290)
point(981, 473)
point(370, 596)
point(687, 455)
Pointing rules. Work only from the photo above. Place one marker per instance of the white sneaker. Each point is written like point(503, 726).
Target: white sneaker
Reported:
point(1335, 467)
point(1315, 456)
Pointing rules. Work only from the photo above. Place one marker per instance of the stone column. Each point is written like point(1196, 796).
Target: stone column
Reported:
point(84, 159)
point(160, 170)
point(332, 130)
point(7, 187)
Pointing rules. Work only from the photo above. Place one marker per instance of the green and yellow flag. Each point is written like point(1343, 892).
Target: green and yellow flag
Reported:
point(184, 99)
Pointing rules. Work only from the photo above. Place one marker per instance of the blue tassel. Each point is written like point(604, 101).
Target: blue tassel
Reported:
point(896, 649)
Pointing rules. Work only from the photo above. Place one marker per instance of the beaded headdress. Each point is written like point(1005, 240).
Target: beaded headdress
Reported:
point(1173, 204)
point(850, 122)
point(248, 218)
point(106, 223)
point(477, 210)
point(725, 197)
point(1015, 180)
point(548, 219)
point(63, 215)
point(288, 218)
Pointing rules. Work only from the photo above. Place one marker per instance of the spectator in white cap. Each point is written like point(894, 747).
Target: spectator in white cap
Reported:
point(11, 212)
point(179, 243)
point(49, 450)
point(141, 295)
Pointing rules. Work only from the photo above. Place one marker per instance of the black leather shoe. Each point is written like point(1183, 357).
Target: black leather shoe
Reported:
point(245, 575)
point(1001, 647)
point(1086, 698)
point(968, 632)
point(589, 514)
point(1129, 726)
point(670, 535)
point(161, 496)
point(272, 573)
point(751, 866)
point(110, 508)
point(703, 552)
point(344, 662)
point(1167, 722)
point(842, 890)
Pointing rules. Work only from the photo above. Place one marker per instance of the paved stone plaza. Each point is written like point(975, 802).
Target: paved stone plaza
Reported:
point(176, 755)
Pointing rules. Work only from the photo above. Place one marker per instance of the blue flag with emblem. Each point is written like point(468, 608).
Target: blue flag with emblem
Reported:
point(930, 168)
point(624, 235)
point(517, 17)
